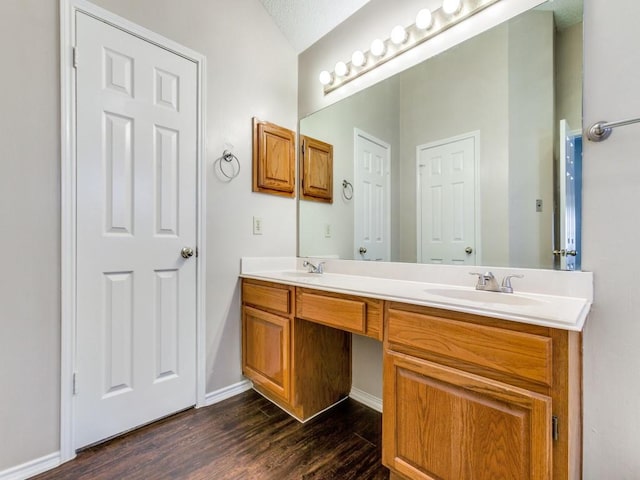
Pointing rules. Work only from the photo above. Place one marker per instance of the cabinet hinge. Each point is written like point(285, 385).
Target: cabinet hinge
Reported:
point(554, 427)
point(75, 57)
point(74, 386)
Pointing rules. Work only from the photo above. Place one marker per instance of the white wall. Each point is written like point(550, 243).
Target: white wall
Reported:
point(611, 195)
point(30, 226)
point(251, 71)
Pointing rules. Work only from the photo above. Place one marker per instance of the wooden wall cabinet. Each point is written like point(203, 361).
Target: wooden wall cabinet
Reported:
point(302, 366)
point(273, 159)
point(476, 398)
point(316, 170)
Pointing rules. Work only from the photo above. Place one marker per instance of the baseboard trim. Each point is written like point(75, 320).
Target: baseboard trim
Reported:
point(366, 399)
point(226, 392)
point(32, 468)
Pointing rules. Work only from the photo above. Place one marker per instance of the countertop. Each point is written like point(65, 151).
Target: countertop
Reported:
point(563, 312)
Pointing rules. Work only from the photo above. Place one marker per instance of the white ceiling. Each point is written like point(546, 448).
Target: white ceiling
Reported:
point(303, 22)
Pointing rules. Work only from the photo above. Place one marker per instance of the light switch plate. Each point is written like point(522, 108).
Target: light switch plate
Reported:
point(257, 225)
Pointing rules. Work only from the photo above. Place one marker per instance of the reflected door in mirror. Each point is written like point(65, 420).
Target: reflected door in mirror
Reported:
point(446, 201)
point(371, 197)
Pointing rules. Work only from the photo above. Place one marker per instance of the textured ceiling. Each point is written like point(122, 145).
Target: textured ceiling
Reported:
point(303, 22)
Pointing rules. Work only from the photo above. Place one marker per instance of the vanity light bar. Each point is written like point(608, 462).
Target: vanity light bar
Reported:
point(382, 51)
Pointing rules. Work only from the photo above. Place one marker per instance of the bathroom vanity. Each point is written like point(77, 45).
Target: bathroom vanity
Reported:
point(471, 389)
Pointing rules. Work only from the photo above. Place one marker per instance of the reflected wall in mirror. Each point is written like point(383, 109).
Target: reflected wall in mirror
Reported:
point(461, 159)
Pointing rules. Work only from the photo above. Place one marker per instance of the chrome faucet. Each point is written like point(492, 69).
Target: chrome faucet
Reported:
point(506, 283)
point(488, 283)
point(313, 268)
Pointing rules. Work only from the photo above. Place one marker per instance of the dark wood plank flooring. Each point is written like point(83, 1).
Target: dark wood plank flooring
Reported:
point(244, 437)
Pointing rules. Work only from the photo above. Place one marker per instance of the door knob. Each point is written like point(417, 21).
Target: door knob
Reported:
point(561, 253)
point(186, 252)
point(468, 250)
point(572, 253)
point(362, 250)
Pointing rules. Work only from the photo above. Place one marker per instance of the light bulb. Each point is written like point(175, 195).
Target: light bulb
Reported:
point(325, 77)
point(341, 69)
point(377, 47)
point(451, 6)
point(358, 59)
point(398, 35)
point(424, 19)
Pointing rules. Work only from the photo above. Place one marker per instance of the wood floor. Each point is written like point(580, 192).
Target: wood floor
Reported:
point(244, 437)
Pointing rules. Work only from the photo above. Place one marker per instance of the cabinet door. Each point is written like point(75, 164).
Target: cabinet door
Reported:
point(316, 170)
point(273, 159)
point(265, 350)
point(445, 424)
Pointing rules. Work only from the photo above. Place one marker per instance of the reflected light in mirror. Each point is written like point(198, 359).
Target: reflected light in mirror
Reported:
point(358, 59)
point(377, 47)
point(424, 19)
point(451, 7)
point(341, 69)
point(325, 77)
point(398, 35)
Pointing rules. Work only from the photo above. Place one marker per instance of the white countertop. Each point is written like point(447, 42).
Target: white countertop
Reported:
point(557, 311)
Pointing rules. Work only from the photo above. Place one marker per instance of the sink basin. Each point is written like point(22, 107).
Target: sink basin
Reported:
point(481, 296)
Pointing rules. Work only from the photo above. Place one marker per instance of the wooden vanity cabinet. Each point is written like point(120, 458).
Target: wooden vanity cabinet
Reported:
point(469, 397)
point(302, 366)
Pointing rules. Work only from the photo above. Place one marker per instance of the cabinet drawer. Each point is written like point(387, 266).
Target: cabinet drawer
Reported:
point(268, 296)
point(347, 312)
point(524, 355)
point(342, 313)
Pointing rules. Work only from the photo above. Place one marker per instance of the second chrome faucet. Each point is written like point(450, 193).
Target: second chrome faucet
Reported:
point(488, 283)
point(319, 268)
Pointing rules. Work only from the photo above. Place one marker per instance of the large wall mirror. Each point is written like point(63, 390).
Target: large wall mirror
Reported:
point(471, 157)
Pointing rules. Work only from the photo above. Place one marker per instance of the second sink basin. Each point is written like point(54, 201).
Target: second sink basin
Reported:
point(480, 296)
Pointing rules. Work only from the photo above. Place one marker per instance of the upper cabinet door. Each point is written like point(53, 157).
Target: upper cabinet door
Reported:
point(317, 170)
point(273, 159)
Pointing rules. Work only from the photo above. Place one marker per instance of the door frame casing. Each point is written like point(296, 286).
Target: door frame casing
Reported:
point(476, 185)
point(68, 218)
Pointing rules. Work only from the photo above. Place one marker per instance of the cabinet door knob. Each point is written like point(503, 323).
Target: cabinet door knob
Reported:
point(186, 252)
point(468, 250)
point(362, 250)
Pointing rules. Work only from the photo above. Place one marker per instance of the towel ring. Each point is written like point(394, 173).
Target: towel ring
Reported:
point(229, 157)
point(347, 190)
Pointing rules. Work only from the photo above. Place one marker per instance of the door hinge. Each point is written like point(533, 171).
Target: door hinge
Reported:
point(75, 57)
point(554, 427)
point(74, 384)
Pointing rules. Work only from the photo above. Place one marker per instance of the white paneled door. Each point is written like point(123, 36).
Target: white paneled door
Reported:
point(446, 201)
point(136, 212)
point(371, 198)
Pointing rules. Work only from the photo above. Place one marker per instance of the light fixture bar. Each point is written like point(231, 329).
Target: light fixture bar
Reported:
point(415, 36)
